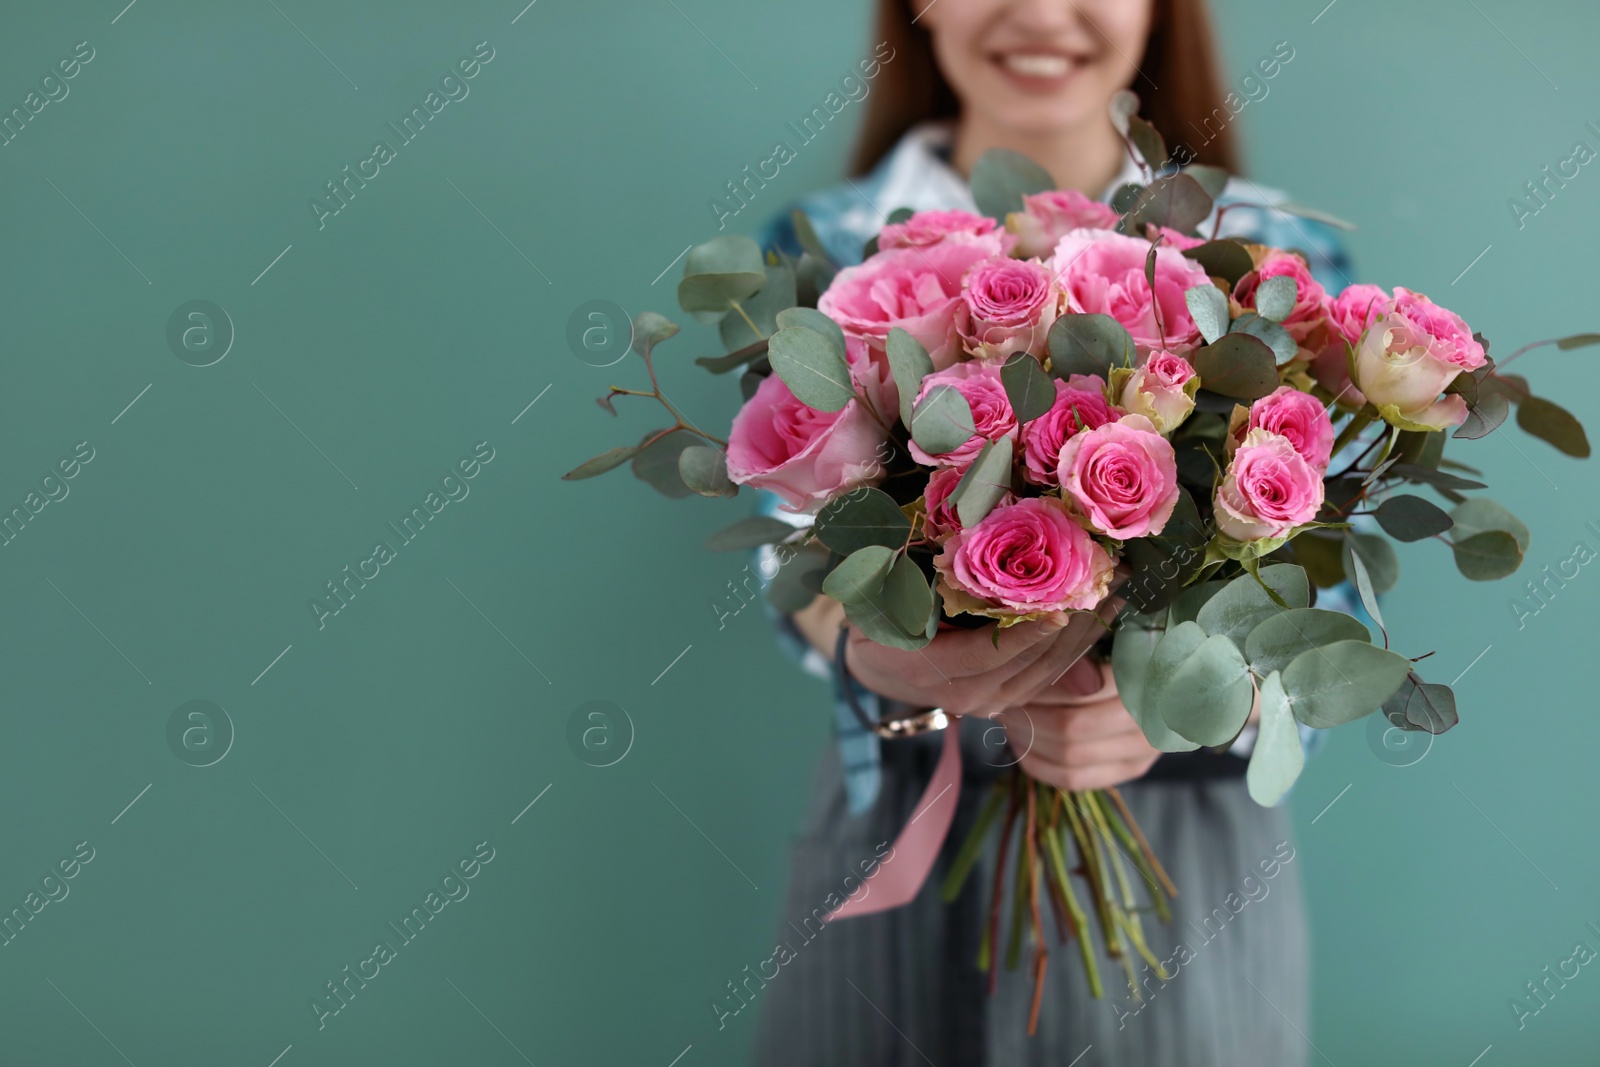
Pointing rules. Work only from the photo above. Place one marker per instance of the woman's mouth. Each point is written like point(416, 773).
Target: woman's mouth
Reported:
point(1038, 69)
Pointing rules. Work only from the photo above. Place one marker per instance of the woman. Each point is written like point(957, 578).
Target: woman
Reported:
point(902, 986)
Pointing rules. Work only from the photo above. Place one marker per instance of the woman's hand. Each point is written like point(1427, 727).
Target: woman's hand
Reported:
point(967, 672)
point(1076, 734)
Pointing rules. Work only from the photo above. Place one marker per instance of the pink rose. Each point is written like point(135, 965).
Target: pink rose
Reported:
point(1010, 304)
point(1080, 404)
point(1160, 390)
point(1028, 557)
point(915, 288)
point(1047, 217)
point(941, 519)
point(985, 393)
point(803, 455)
point(1122, 478)
point(872, 377)
point(931, 227)
point(1299, 417)
point(1103, 273)
point(1409, 357)
point(1308, 312)
point(1357, 307)
point(1178, 239)
point(1268, 491)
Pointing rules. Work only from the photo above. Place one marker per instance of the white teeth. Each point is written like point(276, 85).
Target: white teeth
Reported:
point(1037, 65)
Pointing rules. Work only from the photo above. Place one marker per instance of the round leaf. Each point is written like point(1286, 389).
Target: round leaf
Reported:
point(942, 421)
point(1280, 638)
point(1239, 366)
point(1225, 259)
point(1553, 423)
point(1132, 651)
point(1480, 514)
point(1278, 757)
point(1275, 297)
point(1001, 178)
point(1284, 348)
point(984, 483)
point(812, 319)
point(907, 598)
point(1342, 682)
point(1411, 518)
point(860, 518)
point(859, 576)
point(1208, 306)
point(724, 269)
point(650, 329)
point(909, 363)
point(1242, 605)
point(1212, 179)
point(813, 369)
point(1486, 556)
point(658, 464)
point(1088, 344)
point(775, 296)
point(1027, 386)
point(1484, 417)
point(1205, 696)
point(705, 470)
point(1178, 201)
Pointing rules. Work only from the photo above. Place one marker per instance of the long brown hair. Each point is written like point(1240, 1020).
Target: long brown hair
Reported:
point(1180, 57)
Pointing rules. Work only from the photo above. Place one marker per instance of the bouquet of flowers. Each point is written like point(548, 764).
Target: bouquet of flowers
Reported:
point(1020, 414)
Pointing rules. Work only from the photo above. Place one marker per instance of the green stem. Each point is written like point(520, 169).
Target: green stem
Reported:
point(747, 319)
point(1079, 919)
point(972, 847)
point(1358, 422)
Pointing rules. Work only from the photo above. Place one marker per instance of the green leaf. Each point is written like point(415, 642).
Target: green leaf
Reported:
point(859, 576)
point(1208, 306)
point(1321, 558)
point(1480, 514)
point(1124, 105)
point(909, 363)
point(1411, 518)
point(907, 598)
point(1177, 201)
point(984, 483)
point(1484, 417)
point(1187, 607)
point(612, 457)
point(860, 518)
point(1486, 556)
point(658, 463)
point(733, 360)
point(942, 420)
point(1088, 344)
point(1278, 639)
point(1289, 207)
point(813, 369)
point(1001, 178)
point(1028, 387)
point(1342, 682)
point(723, 270)
point(749, 533)
point(1422, 706)
point(1412, 472)
point(650, 329)
point(1237, 366)
point(1123, 199)
point(1202, 691)
point(1369, 599)
point(795, 585)
point(1383, 566)
point(812, 319)
point(705, 470)
point(806, 234)
point(1243, 604)
point(871, 620)
point(1278, 757)
point(1284, 347)
point(1275, 297)
point(1553, 423)
point(1149, 142)
point(1578, 340)
point(1132, 651)
point(1212, 179)
point(776, 295)
point(1225, 259)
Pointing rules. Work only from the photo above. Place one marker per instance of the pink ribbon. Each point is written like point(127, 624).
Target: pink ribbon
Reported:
point(898, 879)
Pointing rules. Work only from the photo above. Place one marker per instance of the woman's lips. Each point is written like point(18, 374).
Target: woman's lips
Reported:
point(1038, 69)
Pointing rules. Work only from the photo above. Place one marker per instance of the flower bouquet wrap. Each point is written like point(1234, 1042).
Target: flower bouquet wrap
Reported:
point(1025, 413)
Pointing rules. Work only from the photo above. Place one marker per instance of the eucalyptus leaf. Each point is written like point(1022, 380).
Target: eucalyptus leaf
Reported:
point(1480, 514)
point(1226, 259)
point(806, 234)
point(1027, 386)
point(733, 360)
point(859, 518)
point(812, 319)
point(1289, 207)
point(1411, 518)
point(1551, 422)
point(1578, 340)
point(1132, 651)
point(1243, 604)
point(1177, 201)
point(1284, 347)
point(859, 576)
point(1427, 707)
point(1149, 142)
point(607, 460)
point(1484, 417)
point(907, 598)
point(724, 269)
point(775, 296)
point(1088, 344)
point(1187, 607)
point(1275, 297)
point(1124, 105)
point(1487, 556)
point(1279, 638)
point(1383, 566)
point(705, 470)
point(984, 483)
point(1412, 472)
point(650, 329)
point(942, 420)
point(749, 533)
point(909, 364)
point(1342, 682)
point(871, 620)
point(1278, 756)
point(657, 463)
point(1208, 306)
point(1237, 365)
point(1369, 599)
point(1201, 691)
point(795, 584)
point(1212, 179)
point(1001, 178)
point(813, 369)
point(1321, 557)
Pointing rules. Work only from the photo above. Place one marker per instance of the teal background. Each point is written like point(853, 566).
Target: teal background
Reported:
point(428, 713)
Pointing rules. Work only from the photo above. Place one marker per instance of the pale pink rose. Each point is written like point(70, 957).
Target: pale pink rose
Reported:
point(1268, 491)
point(985, 394)
point(1160, 391)
point(803, 455)
point(1080, 404)
point(1178, 239)
point(1449, 337)
point(872, 377)
point(1047, 217)
point(931, 227)
point(1121, 478)
point(1010, 304)
point(1299, 417)
point(1103, 273)
point(1355, 308)
point(1308, 312)
point(1028, 557)
point(941, 518)
point(1397, 369)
